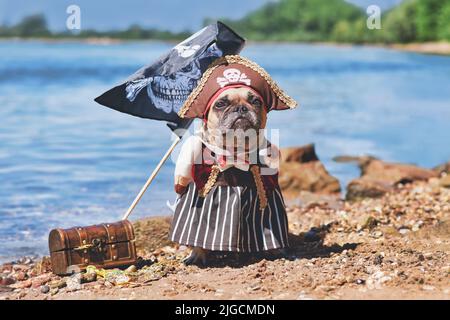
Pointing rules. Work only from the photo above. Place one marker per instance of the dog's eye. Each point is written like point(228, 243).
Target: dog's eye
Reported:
point(220, 104)
point(257, 102)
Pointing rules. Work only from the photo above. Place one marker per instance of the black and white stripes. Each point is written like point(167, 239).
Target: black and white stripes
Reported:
point(229, 219)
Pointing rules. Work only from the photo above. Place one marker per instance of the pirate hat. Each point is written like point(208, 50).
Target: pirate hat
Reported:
point(234, 71)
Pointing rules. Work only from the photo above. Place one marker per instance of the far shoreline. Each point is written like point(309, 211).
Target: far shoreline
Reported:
point(432, 48)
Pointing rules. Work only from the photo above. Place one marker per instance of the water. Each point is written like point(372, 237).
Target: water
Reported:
point(66, 161)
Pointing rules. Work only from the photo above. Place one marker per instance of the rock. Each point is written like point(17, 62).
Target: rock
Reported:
point(369, 223)
point(88, 277)
point(378, 259)
point(376, 234)
point(379, 177)
point(361, 160)
point(365, 188)
point(23, 284)
point(40, 281)
point(394, 173)
point(4, 289)
point(301, 170)
point(445, 181)
point(7, 281)
point(299, 154)
point(7, 267)
point(43, 266)
point(131, 269)
point(54, 291)
point(74, 282)
point(21, 276)
point(443, 168)
point(25, 260)
point(57, 284)
point(45, 289)
point(20, 267)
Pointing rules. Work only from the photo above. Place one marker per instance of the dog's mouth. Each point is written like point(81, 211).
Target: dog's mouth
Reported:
point(239, 121)
point(243, 122)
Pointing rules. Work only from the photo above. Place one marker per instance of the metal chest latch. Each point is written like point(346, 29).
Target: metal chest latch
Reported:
point(97, 244)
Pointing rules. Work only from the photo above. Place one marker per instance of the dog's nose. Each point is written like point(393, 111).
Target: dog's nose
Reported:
point(241, 109)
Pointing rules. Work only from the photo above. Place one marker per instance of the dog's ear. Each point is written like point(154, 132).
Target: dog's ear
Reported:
point(264, 112)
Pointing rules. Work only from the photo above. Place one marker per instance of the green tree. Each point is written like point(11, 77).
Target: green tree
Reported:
point(31, 26)
point(443, 23)
point(399, 24)
point(426, 19)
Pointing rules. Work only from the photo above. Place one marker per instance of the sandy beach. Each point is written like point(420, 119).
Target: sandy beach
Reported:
point(375, 246)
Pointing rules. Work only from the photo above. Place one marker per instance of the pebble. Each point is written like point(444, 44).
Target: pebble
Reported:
point(378, 259)
point(20, 267)
point(45, 289)
point(131, 269)
point(428, 288)
point(57, 284)
point(74, 282)
point(88, 277)
point(40, 281)
point(377, 234)
point(21, 276)
point(7, 281)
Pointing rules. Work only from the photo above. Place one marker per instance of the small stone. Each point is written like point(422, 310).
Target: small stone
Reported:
point(20, 267)
point(445, 181)
point(54, 291)
point(23, 284)
point(88, 277)
point(45, 289)
point(370, 223)
point(360, 281)
point(25, 260)
point(5, 289)
point(21, 276)
point(40, 281)
point(74, 282)
point(378, 259)
point(7, 281)
point(403, 231)
point(57, 284)
point(428, 288)
point(377, 234)
point(131, 269)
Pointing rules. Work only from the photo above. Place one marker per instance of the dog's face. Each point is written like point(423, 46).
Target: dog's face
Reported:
point(237, 108)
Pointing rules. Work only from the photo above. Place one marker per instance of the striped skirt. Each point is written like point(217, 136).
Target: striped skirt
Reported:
point(229, 219)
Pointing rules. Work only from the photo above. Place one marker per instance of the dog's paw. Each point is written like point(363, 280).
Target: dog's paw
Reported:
point(197, 257)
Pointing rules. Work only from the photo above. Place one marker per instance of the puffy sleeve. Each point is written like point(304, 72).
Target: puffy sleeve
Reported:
point(190, 153)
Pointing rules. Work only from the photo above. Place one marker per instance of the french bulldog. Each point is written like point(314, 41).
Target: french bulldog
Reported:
point(239, 109)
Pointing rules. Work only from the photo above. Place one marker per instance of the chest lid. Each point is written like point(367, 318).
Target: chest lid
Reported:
point(91, 236)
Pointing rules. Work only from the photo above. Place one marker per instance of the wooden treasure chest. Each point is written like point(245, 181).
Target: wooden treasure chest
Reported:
point(108, 245)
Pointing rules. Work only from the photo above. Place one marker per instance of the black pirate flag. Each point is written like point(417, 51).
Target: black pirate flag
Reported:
point(158, 91)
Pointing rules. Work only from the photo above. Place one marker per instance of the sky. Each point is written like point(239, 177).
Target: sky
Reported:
point(173, 15)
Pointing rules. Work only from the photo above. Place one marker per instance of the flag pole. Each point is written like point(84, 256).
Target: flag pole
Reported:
point(150, 179)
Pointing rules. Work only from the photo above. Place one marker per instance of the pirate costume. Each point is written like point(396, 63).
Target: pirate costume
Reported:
point(231, 203)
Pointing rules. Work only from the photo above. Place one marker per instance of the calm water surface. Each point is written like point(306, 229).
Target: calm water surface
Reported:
point(66, 161)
